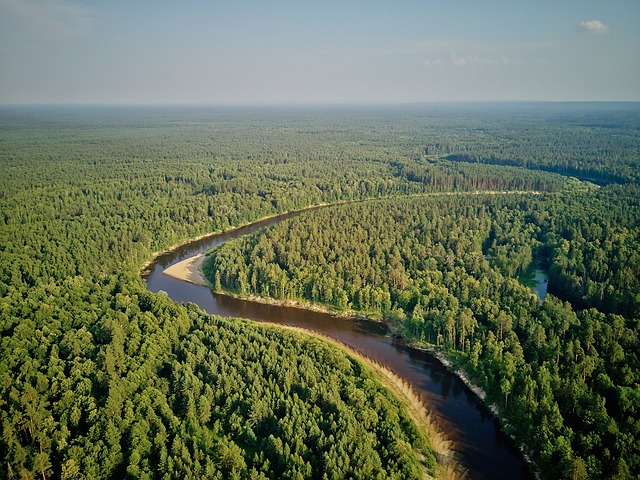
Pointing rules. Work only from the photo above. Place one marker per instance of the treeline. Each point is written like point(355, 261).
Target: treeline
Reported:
point(444, 176)
point(443, 269)
point(598, 143)
point(589, 172)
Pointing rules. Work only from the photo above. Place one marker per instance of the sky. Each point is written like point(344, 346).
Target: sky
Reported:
point(347, 51)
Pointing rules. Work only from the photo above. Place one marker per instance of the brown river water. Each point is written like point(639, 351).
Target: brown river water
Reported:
point(482, 448)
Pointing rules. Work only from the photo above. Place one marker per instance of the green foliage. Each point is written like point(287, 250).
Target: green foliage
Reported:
point(149, 388)
point(97, 375)
point(443, 269)
point(599, 144)
point(101, 379)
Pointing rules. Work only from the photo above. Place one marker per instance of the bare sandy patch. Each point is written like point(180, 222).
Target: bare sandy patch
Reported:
point(189, 270)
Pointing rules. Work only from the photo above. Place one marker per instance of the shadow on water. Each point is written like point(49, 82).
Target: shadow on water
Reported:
point(484, 450)
point(537, 279)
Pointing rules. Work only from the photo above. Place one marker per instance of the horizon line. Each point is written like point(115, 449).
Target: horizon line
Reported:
point(305, 103)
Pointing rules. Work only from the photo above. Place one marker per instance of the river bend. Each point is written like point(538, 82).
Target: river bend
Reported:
point(483, 449)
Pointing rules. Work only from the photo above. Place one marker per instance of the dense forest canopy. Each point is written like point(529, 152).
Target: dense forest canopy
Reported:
point(444, 269)
point(101, 378)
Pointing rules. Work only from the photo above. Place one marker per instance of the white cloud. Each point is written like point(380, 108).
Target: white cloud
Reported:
point(51, 19)
point(477, 60)
point(436, 64)
point(594, 26)
point(486, 48)
point(458, 61)
point(506, 61)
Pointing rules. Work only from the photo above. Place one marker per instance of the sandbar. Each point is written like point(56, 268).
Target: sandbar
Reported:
point(189, 270)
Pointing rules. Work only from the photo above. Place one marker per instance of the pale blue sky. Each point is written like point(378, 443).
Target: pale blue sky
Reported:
point(64, 51)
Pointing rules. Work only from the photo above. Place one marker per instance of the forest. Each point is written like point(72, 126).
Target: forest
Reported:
point(444, 270)
point(102, 379)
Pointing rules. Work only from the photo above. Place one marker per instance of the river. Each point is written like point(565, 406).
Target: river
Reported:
point(483, 449)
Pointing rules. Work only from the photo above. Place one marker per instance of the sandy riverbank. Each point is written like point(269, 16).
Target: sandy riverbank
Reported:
point(189, 270)
point(449, 466)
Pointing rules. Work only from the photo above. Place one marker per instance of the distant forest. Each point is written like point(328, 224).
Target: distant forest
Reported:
point(100, 378)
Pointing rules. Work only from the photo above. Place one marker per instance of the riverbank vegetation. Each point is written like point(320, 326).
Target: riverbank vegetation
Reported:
point(101, 378)
point(443, 270)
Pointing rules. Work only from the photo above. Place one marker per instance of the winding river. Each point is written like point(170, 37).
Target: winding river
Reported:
point(483, 449)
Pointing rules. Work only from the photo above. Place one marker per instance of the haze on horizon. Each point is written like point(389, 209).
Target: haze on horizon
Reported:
point(200, 52)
